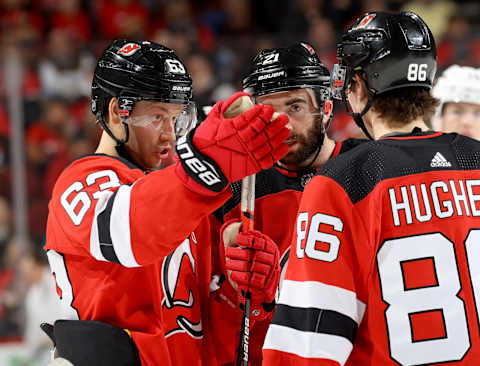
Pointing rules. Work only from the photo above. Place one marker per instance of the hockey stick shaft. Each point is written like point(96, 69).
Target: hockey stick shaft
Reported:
point(247, 205)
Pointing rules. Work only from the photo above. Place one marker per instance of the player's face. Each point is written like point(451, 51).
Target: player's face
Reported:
point(463, 118)
point(305, 124)
point(152, 133)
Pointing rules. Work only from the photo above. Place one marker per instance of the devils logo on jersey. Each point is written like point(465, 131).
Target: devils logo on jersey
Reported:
point(181, 305)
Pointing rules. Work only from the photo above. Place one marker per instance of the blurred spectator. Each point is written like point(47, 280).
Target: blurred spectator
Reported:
point(5, 224)
point(41, 304)
point(70, 16)
point(12, 291)
point(66, 70)
point(203, 78)
point(19, 14)
point(48, 137)
point(47, 142)
point(122, 19)
point(434, 12)
point(323, 39)
point(177, 39)
point(239, 19)
point(458, 90)
point(458, 44)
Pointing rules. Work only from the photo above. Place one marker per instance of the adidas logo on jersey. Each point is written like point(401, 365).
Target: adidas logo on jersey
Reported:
point(439, 161)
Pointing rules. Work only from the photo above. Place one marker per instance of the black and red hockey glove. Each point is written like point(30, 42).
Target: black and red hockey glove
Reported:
point(223, 150)
point(254, 266)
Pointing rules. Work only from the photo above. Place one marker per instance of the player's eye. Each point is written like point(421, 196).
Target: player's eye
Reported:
point(158, 120)
point(296, 108)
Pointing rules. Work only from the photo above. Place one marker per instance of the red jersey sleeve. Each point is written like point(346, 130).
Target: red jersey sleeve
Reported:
point(323, 296)
point(104, 208)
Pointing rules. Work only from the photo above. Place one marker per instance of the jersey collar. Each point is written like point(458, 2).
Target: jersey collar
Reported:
point(416, 133)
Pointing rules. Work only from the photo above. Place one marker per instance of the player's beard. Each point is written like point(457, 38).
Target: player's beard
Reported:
point(307, 142)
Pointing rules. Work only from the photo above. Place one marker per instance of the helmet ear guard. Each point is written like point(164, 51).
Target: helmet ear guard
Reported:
point(327, 107)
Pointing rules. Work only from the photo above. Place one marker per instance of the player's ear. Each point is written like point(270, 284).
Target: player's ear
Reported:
point(359, 86)
point(113, 116)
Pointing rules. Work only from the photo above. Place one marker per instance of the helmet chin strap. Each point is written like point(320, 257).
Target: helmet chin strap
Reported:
point(110, 133)
point(357, 117)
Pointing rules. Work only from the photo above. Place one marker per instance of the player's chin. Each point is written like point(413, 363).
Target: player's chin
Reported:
point(289, 159)
point(158, 161)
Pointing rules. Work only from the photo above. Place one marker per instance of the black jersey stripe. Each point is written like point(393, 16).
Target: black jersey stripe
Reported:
point(316, 321)
point(104, 237)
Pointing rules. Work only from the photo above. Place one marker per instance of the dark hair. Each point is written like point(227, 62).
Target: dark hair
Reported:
point(401, 106)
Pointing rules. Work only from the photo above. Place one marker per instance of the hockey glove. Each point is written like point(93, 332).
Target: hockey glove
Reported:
point(92, 343)
point(254, 266)
point(223, 150)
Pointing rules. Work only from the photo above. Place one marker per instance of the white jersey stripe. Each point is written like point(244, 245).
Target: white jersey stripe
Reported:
point(312, 294)
point(307, 344)
point(120, 227)
point(95, 250)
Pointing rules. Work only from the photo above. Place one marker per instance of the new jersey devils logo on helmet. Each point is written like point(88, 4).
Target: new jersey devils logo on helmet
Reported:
point(365, 21)
point(308, 47)
point(129, 49)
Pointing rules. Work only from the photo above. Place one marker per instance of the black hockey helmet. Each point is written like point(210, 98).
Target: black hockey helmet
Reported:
point(133, 71)
point(392, 51)
point(288, 68)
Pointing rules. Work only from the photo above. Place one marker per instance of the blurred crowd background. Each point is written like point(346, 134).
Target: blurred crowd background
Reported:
point(49, 52)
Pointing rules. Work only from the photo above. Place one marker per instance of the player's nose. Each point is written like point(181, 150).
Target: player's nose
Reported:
point(167, 132)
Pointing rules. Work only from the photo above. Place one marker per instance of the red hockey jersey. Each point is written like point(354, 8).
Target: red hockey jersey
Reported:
point(108, 232)
point(277, 197)
point(383, 265)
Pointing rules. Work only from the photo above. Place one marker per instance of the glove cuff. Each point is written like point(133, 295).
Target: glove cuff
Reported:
point(202, 170)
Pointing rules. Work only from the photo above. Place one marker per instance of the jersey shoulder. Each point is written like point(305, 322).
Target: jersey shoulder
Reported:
point(361, 168)
point(74, 197)
point(267, 182)
point(91, 167)
point(351, 143)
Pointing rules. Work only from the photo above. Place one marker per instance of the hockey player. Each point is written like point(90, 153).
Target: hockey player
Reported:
point(458, 90)
point(113, 217)
point(383, 265)
point(295, 82)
